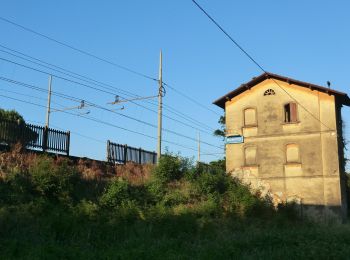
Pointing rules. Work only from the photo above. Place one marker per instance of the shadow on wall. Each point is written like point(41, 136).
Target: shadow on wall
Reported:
point(321, 213)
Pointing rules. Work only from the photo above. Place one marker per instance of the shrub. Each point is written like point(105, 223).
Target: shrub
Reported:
point(156, 189)
point(240, 201)
point(15, 131)
point(115, 193)
point(55, 182)
point(211, 206)
point(16, 187)
point(208, 183)
point(175, 197)
point(168, 168)
point(87, 208)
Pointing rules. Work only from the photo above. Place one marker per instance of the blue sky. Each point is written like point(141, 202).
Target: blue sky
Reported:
point(305, 40)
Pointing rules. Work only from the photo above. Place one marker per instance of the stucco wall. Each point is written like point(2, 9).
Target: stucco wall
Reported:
point(315, 178)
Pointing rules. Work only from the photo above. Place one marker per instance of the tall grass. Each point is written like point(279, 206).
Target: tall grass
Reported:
point(52, 208)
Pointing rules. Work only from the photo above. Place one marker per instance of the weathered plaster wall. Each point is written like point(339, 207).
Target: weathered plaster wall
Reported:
point(315, 179)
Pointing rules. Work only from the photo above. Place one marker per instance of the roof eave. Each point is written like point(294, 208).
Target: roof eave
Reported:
point(220, 102)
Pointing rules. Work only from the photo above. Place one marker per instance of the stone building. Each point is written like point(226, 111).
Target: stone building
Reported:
point(284, 137)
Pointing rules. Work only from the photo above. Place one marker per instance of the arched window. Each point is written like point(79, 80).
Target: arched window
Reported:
point(269, 92)
point(290, 113)
point(250, 117)
point(292, 153)
point(250, 155)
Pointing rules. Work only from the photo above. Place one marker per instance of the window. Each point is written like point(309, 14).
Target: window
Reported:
point(292, 153)
point(290, 113)
point(250, 155)
point(250, 117)
point(269, 92)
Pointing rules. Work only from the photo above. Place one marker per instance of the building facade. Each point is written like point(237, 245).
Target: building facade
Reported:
point(284, 136)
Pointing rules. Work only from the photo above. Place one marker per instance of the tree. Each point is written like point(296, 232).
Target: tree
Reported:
point(13, 129)
point(222, 131)
point(220, 164)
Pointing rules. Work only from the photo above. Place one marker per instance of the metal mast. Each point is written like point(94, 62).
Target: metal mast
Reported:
point(160, 107)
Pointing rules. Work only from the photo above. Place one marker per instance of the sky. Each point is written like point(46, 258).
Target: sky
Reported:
point(305, 40)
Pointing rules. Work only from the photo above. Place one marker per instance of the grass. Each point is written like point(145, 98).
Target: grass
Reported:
point(59, 235)
point(53, 209)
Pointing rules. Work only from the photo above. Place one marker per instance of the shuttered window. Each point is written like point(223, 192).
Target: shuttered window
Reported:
point(290, 113)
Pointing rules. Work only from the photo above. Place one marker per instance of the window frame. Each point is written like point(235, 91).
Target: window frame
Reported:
point(296, 113)
point(256, 155)
point(298, 161)
point(256, 117)
point(269, 90)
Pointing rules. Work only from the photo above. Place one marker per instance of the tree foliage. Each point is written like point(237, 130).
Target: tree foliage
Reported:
point(11, 115)
point(222, 131)
point(14, 129)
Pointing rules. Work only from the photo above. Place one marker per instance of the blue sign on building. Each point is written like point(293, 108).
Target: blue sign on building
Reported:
point(234, 139)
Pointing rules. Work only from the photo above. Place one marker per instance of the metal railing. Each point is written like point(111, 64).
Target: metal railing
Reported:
point(34, 137)
point(120, 154)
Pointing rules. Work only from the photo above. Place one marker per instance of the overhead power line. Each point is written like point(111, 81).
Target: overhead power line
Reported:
point(102, 59)
point(256, 63)
point(63, 71)
point(72, 132)
point(103, 85)
point(31, 96)
point(79, 50)
point(120, 114)
point(191, 99)
point(103, 122)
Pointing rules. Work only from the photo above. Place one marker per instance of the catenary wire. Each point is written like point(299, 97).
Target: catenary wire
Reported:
point(101, 59)
point(191, 99)
point(31, 96)
point(102, 122)
point(79, 50)
point(72, 132)
point(132, 118)
point(108, 92)
point(256, 63)
point(99, 83)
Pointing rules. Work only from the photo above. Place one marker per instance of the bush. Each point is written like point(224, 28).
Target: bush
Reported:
point(115, 193)
point(208, 183)
point(240, 201)
point(156, 189)
point(16, 188)
point(87, 209)
point(175, 197)
point(54, 182)
point(168, 168)
point(15, 131)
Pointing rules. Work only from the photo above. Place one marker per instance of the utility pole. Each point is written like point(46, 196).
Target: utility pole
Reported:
point(48, 103)
point(199, 147)
point(160, 107)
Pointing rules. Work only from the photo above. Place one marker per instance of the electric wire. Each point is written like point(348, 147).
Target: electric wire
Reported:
point(102, 122)
point(31, 96)
point(79, 50)
point(126, 116)
point(110, 88)
point(72, 132)
point(102, 59)
point(191, 99)
point(90, 80)
point(256, 63)
point(40, 89)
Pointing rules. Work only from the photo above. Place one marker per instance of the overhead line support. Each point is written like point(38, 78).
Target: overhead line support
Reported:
point(160, 107)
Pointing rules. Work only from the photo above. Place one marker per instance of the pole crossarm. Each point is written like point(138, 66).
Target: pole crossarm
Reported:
point(117, 100)
point(81, 106)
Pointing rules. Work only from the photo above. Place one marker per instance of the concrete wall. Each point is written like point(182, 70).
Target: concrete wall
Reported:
point(314, 179)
